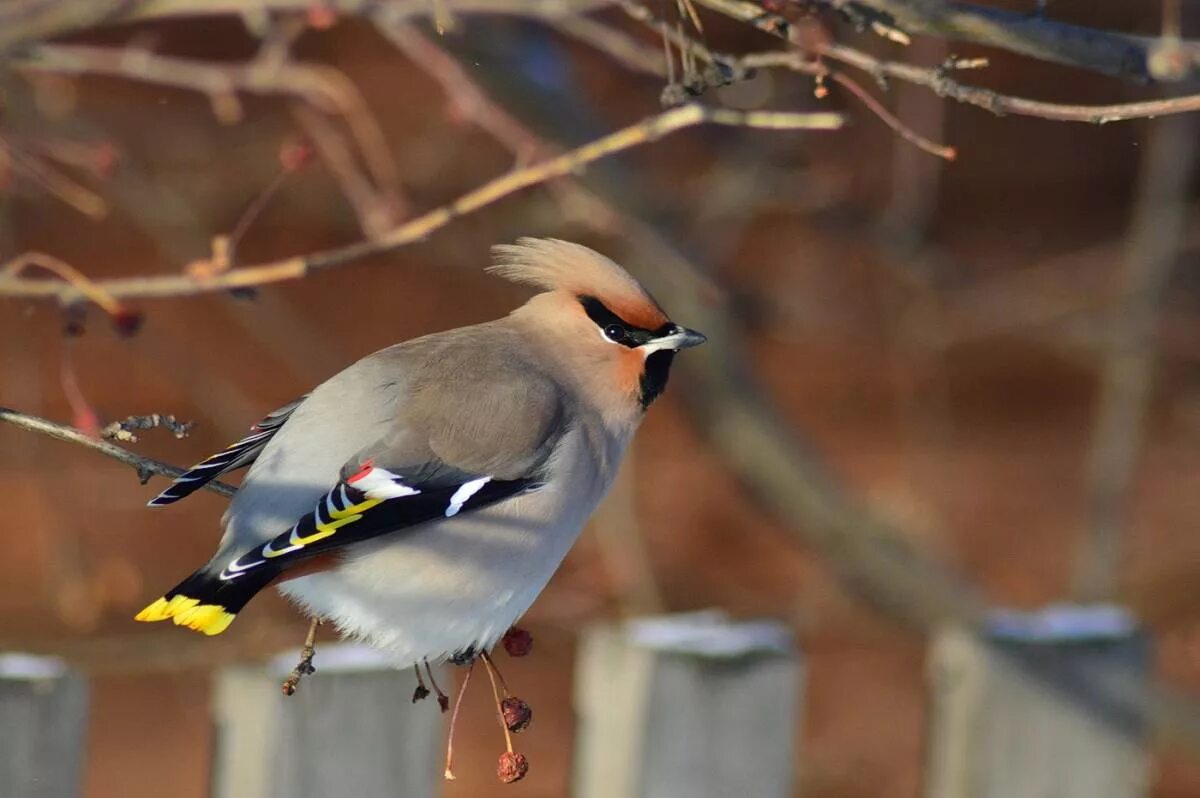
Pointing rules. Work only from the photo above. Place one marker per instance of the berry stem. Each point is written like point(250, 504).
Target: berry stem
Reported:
point(449, 772)
point(491, 672)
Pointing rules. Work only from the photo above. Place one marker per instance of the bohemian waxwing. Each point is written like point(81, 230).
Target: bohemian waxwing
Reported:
point(422, 498)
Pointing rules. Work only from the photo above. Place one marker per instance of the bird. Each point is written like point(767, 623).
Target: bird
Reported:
point(421, 499)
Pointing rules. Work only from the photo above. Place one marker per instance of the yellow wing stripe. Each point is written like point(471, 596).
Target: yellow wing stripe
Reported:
point(355, 509)
point(341, 518)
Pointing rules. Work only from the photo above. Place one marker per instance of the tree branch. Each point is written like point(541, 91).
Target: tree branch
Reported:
point(145, 466)
point(25, 22)
point(1137, 58)
point(1118, 55)
point(644, 132)
point(1130, 360)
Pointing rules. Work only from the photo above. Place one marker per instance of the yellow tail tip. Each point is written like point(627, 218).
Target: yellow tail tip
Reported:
point(155, 612)
point(211, 619)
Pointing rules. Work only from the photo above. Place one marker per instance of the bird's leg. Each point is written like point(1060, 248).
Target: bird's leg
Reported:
point(443, 699)
point(449, 772)
point(421, 692)
point(514, 715)
point(304, 667)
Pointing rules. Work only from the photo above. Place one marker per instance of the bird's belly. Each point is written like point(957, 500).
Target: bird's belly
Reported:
point(453, 584)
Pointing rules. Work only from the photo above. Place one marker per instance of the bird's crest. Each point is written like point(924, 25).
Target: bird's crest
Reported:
point(554, 265)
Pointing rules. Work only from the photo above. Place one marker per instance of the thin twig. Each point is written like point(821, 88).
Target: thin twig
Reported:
point(304, 667)
point(937, 79)
point(1119, 55)
point(891, 120)
point(12, 269)
point(640, 133)
point(54, 181)
point(26, 23)
point(145, 466)
point(1002, 104)
point(323, 88)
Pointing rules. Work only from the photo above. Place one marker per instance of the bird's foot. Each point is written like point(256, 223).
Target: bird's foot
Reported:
point(421, 692)
point(304, 667)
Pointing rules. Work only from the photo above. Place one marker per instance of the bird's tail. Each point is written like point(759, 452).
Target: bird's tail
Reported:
point(204, 602)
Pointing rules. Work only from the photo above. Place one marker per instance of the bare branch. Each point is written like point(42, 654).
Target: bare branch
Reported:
point(145, 466)
point(644, 132)
point(24, 23)
point(1000, 104)
point(323, 88)
point(1155, 241)
point(1119, 55)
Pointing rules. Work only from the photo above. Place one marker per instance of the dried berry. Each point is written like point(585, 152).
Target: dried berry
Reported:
point(420, 693)
point(243, 292)
point(512, 767)
point(127, 322)
point(295, 154)
point(516, 714)
point(517, 642)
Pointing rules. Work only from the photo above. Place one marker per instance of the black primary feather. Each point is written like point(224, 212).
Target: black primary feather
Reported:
point(233, 457)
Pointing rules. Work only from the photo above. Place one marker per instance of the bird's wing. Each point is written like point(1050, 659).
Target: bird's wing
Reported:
point(444, 454)
point(372, 502)
point(231, 458)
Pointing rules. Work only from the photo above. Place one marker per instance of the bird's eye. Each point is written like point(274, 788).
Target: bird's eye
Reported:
point(615, 333)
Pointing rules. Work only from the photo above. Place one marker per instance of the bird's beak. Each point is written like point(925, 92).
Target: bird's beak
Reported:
point(678, 338)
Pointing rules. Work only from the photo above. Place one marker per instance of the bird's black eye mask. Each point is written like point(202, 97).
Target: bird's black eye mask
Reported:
point(617, 329)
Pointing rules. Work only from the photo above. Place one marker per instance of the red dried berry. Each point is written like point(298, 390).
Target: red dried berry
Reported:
point(295, 155)
point(105, 159)
point(320, 16)
point(517, 642)
point(127, 322)
point(516, 714)
point(512, 767)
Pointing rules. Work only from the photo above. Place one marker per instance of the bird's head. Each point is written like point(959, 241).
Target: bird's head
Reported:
point(598, 321)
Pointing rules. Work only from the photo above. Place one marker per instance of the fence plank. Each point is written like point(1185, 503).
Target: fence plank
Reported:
point(43, 721)
point(689, 705)
point(350, 730)
point(1017, 715)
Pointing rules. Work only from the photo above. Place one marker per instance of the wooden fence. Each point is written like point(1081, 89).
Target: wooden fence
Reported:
point(668, 707)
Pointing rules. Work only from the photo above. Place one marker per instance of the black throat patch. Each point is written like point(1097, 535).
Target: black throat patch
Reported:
point(654, 378)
